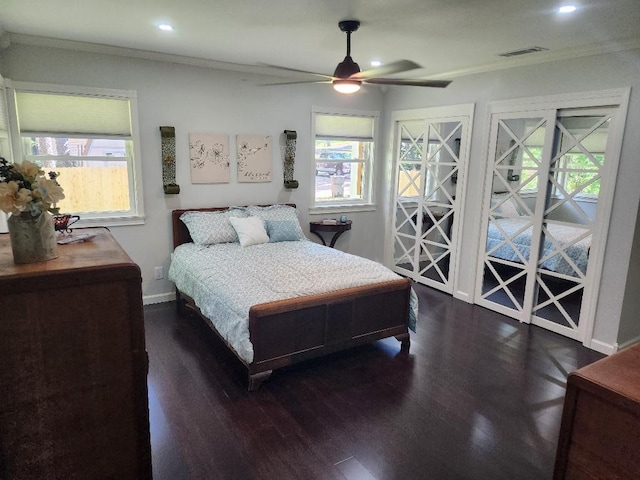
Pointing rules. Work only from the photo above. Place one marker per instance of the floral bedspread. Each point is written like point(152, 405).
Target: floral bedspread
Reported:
point(225, 280)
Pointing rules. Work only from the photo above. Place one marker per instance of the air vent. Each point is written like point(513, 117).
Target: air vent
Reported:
point(524, 51)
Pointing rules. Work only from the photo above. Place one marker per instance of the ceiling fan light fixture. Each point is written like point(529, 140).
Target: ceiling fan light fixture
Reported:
point(346, 86)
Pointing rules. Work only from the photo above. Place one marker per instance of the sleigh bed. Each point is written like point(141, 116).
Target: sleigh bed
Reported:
point(301, 318)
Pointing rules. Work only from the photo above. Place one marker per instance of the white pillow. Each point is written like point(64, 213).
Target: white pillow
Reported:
point(250, 230)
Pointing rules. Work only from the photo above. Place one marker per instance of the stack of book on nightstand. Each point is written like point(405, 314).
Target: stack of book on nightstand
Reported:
point(329, 221)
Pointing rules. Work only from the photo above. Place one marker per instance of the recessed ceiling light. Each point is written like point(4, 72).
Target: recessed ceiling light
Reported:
point(376, 63)
point(165, 27)
point(567, 9)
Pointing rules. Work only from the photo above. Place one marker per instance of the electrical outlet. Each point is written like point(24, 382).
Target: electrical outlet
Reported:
point(159, 273)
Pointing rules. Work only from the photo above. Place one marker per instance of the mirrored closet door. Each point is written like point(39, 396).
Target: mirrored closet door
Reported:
point(549, 172)
point(430, 160)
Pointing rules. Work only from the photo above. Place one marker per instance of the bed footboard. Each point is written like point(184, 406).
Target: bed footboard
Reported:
point(289, 331)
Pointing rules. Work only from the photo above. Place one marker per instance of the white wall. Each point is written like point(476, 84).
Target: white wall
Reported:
point(195, 99)
point(630, 316)
point(602, 72)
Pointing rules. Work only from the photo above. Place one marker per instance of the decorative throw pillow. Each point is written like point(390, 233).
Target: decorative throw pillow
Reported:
point(250, 230)
point(282, 231)
point(210, 228)
point(278, 213)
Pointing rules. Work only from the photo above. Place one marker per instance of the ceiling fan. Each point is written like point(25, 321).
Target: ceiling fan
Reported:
point(348, 78)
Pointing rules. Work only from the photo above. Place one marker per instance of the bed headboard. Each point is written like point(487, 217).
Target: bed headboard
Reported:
point(181, 232)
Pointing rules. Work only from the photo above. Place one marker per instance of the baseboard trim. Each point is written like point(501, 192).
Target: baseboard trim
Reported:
point(158, 298)
point(465, 297)
point(606, 348)
point(628, 343)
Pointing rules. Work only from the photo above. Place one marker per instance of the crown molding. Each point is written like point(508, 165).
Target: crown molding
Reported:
point(537, 58)
point(546, 56)
point(33, 40)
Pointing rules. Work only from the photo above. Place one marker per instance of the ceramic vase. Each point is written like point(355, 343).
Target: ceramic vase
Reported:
point(33, 239)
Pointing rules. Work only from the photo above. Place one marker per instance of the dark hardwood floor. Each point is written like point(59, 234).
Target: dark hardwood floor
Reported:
point(478, 397)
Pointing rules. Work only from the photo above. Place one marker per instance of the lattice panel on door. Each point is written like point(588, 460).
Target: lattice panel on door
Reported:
point(510, 228)
point(430, 159)
point(410, 186)
point(441, 171)
point(574, 184)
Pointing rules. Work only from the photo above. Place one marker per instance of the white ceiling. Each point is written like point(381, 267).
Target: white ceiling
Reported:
point(448, 38)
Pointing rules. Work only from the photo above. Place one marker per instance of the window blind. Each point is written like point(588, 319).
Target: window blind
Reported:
point(54, 113)
point(344, 127)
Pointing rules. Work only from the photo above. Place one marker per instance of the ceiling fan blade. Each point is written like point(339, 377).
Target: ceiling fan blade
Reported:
point(297, 70)
point(411, 83)
point(395, 67)
point(295, 83)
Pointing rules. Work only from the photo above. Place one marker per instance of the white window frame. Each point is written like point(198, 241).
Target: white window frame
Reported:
point(563, 179)
point(347, 204)
point(135, 216)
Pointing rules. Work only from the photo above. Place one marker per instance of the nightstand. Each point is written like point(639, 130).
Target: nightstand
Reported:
point(337, 229)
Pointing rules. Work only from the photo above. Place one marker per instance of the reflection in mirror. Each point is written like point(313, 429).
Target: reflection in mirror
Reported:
point(575, 174)
point(565, 249)
point(404, 242)
point(519, 154)
point(442, 162)
point(509, 239)
point(504, 285)
point(406, 215)
point(435, 244)
point(410, 160)
point(558, 301)
point(404, 250)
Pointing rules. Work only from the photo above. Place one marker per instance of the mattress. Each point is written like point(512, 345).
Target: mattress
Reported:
point(226, 280)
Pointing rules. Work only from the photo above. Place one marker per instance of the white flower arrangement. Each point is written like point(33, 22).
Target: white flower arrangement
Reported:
point(25, 188)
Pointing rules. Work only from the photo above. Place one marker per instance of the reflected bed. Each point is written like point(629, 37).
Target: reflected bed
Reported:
point(568, 239)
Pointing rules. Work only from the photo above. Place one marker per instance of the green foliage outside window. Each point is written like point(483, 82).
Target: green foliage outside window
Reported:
point(574, 171)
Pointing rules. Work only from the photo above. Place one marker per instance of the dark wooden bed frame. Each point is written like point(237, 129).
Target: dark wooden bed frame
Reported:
point(289, 331)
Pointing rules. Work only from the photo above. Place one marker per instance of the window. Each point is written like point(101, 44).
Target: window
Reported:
point(88, 136)
point(344, 153)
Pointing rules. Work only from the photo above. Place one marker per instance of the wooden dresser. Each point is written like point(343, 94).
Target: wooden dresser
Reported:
point(600, 430)
point(73, 365)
